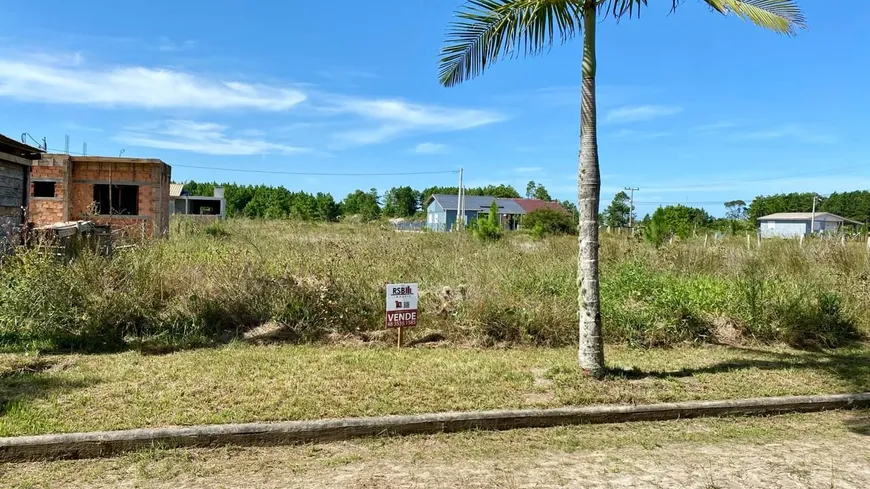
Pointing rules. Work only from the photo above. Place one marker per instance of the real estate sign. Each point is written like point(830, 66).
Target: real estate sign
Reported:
point(402, 305)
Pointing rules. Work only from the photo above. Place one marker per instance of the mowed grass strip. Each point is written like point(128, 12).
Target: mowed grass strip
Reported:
point(242, 383)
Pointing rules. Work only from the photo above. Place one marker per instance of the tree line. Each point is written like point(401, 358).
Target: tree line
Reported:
point(268, 202)
point(853, 205)
point(682, 220)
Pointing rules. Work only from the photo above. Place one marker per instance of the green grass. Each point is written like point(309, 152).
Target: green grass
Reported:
point(207, 285)
point(240, 383)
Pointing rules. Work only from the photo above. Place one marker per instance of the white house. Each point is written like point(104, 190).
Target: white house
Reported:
point(791, 224)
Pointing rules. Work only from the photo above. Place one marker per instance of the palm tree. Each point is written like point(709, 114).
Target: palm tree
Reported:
point(488, 30)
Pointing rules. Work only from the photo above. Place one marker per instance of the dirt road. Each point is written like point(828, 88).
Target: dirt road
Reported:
point(829, 450)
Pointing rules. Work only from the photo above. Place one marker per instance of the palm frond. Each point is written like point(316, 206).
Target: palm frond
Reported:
point(488, 30)
point(782, 16)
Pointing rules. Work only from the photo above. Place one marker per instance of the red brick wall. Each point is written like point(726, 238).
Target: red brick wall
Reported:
point(42, 211)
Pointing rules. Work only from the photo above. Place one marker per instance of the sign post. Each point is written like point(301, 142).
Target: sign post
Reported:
point(402, 307)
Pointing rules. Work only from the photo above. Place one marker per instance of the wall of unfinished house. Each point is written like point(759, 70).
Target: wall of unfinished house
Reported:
point(74, 190)
point(48, 210)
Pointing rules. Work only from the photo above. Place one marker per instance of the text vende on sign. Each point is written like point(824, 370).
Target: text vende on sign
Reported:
point(402, 305)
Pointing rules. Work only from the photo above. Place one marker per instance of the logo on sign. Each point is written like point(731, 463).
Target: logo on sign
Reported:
point(401, 305)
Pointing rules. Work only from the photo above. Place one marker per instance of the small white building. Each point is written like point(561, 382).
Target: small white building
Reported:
point(792, 224)
point(180, 202)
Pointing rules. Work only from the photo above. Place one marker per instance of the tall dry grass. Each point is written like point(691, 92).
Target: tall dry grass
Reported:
point(214, 283)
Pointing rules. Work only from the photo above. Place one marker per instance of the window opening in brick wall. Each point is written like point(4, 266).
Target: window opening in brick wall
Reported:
point(43, 189)
point(124, 199)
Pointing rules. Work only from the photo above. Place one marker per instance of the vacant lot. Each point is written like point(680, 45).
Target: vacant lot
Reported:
point(239, 383)
point(209, 284)
point(809, 451)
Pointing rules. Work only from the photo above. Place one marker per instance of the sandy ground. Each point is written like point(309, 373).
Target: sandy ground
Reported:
point(812, 451)
point(843, 464)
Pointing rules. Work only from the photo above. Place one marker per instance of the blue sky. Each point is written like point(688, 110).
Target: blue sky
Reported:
point(693, 107)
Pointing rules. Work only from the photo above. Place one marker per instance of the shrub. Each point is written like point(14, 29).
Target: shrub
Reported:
point(548, 222)
point(655, 231)
point(489, 229)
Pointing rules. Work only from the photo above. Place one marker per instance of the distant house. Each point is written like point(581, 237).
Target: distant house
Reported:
point(180, 202)
point(791, 224)
point(441, 211)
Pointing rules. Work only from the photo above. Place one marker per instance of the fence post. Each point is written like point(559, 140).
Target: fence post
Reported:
point(748, 243)
point(705, 240)
point(802, 241)
point(758, 239)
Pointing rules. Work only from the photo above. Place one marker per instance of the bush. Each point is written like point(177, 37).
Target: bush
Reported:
point(655, 231)
point(548, 222)
point(489, 229)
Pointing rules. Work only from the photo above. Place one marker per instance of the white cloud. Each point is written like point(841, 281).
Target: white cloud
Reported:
point(789, 131)
point(344, 72)
point(69, 80)
point(638, 113)
point(135, 86)
point(199, 137)
point(430, 148)
point(396, 117)
point(166, 44)
point(639, 135)
point(528, 169)
point(72, 126)
point(717, 126)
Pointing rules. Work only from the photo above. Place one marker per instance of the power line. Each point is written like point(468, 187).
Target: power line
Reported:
point(708, 202)
point(319, 174)
point(310, 174)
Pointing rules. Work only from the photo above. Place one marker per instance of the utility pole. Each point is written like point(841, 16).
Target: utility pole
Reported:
point(459, 213)
point(813, 217)
point(631, 209)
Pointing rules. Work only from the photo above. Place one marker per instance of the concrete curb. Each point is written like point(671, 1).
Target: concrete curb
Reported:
point(105, 443)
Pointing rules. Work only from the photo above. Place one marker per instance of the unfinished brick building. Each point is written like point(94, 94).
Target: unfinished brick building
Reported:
point(127, 193)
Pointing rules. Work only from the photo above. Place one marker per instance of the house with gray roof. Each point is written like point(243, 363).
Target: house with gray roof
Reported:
point(442, 210)
point(792, 224)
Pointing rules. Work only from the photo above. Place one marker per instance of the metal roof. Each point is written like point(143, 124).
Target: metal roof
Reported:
point(805, 216)
point(531, 205)
point(11, 146)
point(175, 189)
point(479, 203)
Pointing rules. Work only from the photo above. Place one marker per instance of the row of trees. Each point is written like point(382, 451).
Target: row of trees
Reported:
point(852, 205)
point(264, 201)
point(680, 219)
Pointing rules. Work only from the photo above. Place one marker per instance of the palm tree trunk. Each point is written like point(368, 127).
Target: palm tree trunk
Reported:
point(591, 352)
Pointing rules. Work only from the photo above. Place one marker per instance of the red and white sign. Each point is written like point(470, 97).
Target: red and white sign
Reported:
point(402, 305)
